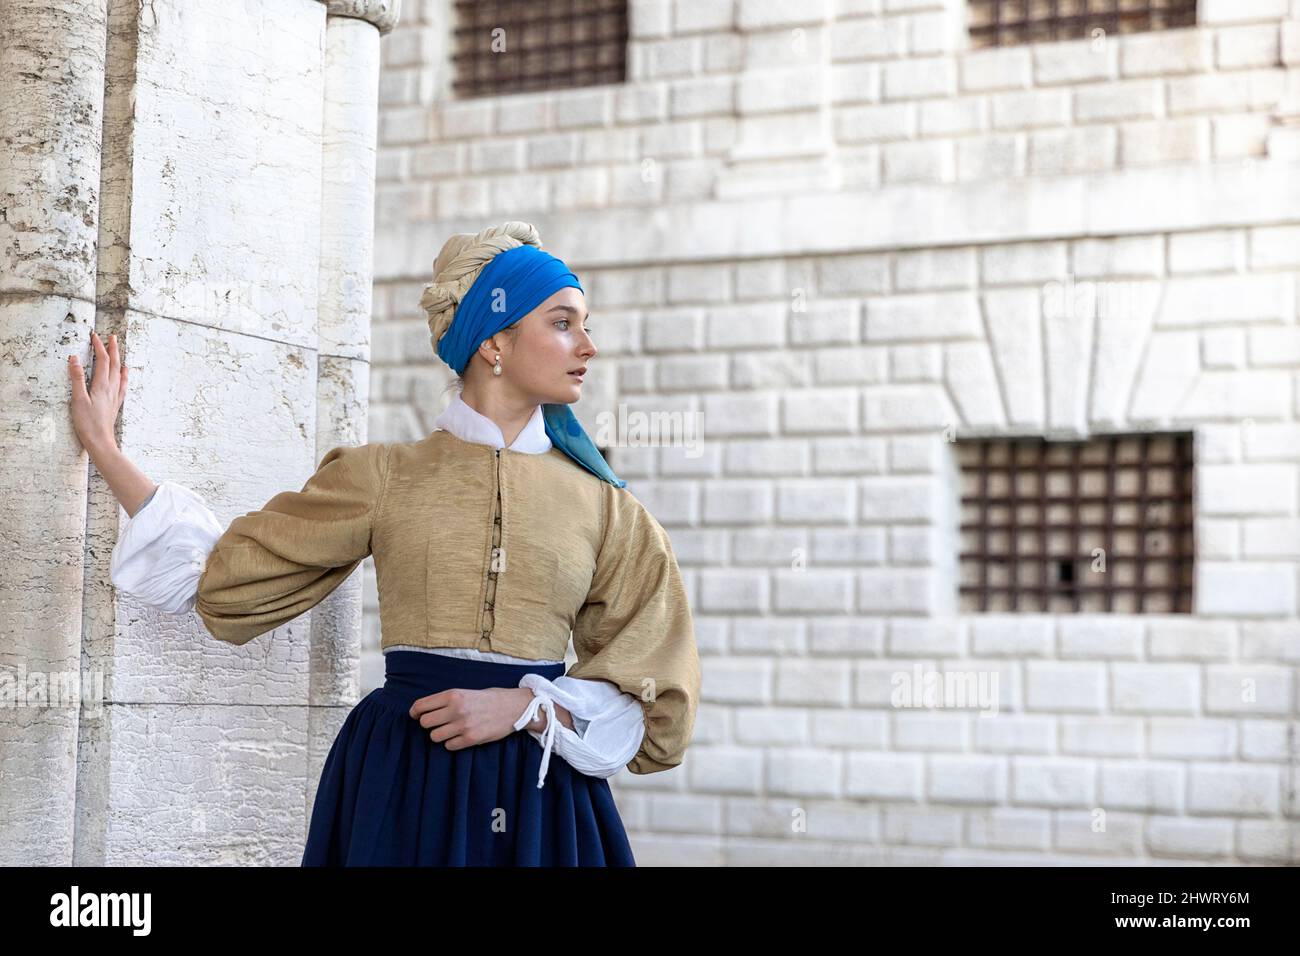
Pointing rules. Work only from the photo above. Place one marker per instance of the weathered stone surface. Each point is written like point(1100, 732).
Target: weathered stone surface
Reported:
point(199, 179)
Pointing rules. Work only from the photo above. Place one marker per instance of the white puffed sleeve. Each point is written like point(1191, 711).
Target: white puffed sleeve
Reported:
point(610, 724)
point(160, 554)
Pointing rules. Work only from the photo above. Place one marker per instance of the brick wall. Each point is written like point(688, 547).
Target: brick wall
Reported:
point(845, 239)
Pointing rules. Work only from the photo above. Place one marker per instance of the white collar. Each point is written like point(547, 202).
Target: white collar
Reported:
point(468, 425)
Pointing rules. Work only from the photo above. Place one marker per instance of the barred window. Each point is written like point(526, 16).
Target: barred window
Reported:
point(507, 46)
point(1099, 526)
point(1009, 22)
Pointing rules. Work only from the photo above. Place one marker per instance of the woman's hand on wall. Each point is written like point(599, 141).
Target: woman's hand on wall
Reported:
point(94, 410)
point(94, 413)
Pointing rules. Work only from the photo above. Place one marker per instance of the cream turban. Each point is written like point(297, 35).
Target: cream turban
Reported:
point(462, 258)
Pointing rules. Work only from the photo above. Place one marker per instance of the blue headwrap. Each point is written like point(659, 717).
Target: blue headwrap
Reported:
point(511, 285)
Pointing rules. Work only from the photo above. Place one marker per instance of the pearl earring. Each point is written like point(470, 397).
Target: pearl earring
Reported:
point(496, 369)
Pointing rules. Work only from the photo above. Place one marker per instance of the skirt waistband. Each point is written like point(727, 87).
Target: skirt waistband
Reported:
point(410, 675)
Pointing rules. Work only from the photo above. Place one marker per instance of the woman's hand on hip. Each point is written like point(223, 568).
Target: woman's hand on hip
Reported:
point(459, 717)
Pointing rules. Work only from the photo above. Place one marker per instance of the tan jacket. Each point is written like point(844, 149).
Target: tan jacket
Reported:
point(479, 547)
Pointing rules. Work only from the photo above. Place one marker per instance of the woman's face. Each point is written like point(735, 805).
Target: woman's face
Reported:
point(552, 342)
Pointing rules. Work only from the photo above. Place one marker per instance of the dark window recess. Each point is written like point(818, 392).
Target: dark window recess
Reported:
point(547, 46)
point(1010, 22)
point(1101, 526)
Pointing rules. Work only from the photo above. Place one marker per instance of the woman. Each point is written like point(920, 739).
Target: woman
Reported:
point(495, 538)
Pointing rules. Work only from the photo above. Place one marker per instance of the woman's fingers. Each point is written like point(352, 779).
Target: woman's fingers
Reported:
point(78, 380)
point(433, 702)
point(98, 358)
point(107, 375)
point(101, 378)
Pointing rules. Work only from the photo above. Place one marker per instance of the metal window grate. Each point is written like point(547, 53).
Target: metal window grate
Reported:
point(547, 46)
point(1104, 525)
point(1008, 22)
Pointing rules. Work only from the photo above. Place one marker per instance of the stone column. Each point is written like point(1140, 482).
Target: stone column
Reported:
point(349, 142)
point(225, 237)
point(52, 63)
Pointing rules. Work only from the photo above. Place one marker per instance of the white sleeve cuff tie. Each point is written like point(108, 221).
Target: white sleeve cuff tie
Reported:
point(615, 724)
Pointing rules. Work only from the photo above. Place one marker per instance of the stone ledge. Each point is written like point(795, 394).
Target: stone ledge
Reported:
point(1126, 202)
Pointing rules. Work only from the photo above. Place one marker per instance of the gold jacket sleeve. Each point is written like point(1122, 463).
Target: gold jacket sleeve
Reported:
point(277, 563)
point(635, 630)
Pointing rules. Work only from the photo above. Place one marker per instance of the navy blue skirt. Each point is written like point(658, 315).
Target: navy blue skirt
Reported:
point(389, 795)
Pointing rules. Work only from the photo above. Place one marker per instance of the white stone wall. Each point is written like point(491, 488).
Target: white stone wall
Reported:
point(196, 178)
point(846, 238)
